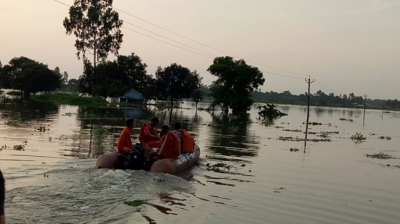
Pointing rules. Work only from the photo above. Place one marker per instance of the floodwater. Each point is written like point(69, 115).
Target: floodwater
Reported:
point(269, 180)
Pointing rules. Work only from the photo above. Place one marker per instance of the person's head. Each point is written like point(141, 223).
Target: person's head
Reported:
point(164, 130)
point(177, 126)
point(2, 194)
point(129, 123)
point(154, 122)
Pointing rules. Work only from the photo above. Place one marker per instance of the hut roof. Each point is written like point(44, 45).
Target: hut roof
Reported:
point(132, 95)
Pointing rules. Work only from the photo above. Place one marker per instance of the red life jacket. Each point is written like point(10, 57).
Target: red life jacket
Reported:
point(187, 141)
point(147, 133)
point(170, 146)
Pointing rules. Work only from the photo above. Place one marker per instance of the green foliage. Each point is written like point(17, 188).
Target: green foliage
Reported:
point(270, 112)
point(70, 99)
point(135, 203)
point(96, 27)
point(176, 82)
point(235, 83)
point(29, 76)
point(218, 167)
point(114, 78)
point(197, 96)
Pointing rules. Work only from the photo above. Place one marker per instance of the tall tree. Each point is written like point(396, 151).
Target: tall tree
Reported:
point(96, 27)
point(235, 84)
point(176, 82)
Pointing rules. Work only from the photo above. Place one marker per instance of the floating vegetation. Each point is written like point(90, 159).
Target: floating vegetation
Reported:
point(358, 137)
point(19, 147)
point(324, 135)
point(294, 149)
point(380, 155)
point(285, 138)
point(383, 137)
point(135, 203)
point(294, 130)
point(278, 127)
point(41, 129)
point(344, 119)
point(314, 123)
point(218, 167)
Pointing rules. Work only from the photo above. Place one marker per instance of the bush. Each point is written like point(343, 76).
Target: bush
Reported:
point(69, 99)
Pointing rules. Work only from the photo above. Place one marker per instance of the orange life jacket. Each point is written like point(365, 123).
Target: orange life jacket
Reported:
point(147, 133)
point(124, 144)
point(187, 141)
point(170, 146)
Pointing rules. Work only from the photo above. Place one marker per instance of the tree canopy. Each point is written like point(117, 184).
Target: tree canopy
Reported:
point(176, 82)
point(114, 78)
point(96, 27)
point(29, 76)
point(236, 81)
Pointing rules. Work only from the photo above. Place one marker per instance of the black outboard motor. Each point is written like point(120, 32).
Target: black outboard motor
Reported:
point(136, 159)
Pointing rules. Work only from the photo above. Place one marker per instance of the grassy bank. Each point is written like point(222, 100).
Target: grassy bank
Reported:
point(69, 99)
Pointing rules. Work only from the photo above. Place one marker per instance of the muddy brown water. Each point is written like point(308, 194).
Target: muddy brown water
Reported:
point(51, 180)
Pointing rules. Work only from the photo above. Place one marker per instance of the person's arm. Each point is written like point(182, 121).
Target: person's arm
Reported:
point(179, 134)
point(164, 145)
point(2, 197)
point(149, 133)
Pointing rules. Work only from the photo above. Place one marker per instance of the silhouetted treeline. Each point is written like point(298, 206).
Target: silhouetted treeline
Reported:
point(319, 99)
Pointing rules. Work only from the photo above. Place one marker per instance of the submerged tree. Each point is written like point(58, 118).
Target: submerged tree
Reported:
point(236, 81)
point(270, 112)
point(176, 82)
point(197, 96)
point(96, 27)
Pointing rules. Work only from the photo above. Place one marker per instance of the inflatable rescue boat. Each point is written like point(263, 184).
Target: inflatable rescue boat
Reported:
point(171, 166)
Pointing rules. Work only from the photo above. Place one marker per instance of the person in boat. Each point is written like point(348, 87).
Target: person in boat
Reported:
point(132, 157)
point(187, 141)
point(170, 144)
point(148, 133)
point(124, 144)
point(2, 197)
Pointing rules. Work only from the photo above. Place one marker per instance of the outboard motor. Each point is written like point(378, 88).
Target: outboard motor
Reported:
point(136, 159)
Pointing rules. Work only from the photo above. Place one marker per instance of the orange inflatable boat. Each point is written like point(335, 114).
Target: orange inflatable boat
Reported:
point(171, 166)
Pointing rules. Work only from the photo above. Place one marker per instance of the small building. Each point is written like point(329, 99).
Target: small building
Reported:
point(132, 96)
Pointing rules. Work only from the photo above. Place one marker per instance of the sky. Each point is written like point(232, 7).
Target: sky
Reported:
point(345, 45)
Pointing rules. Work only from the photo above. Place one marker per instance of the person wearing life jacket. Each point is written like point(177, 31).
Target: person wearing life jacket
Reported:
point(170, 144)
point(148, 134)
point(187, 141)
point(2, 197)
point(124, 144)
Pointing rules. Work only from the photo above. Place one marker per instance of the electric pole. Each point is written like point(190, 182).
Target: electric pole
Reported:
point(365, 104)
point(308, 110)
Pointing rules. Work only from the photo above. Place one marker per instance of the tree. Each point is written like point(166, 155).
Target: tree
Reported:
point(96, 27)
point(31, 76)
point(236, 81)
point(176, 82)
point(72, 82)
point(197, 96)
point(65, 77)
point(114, 78)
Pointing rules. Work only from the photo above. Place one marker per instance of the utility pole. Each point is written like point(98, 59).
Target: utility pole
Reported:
point(308, 110)
point(365, 104)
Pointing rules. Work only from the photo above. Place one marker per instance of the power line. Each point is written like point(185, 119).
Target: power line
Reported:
point(166, 42)
point(272, 73)
point(229, 54)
